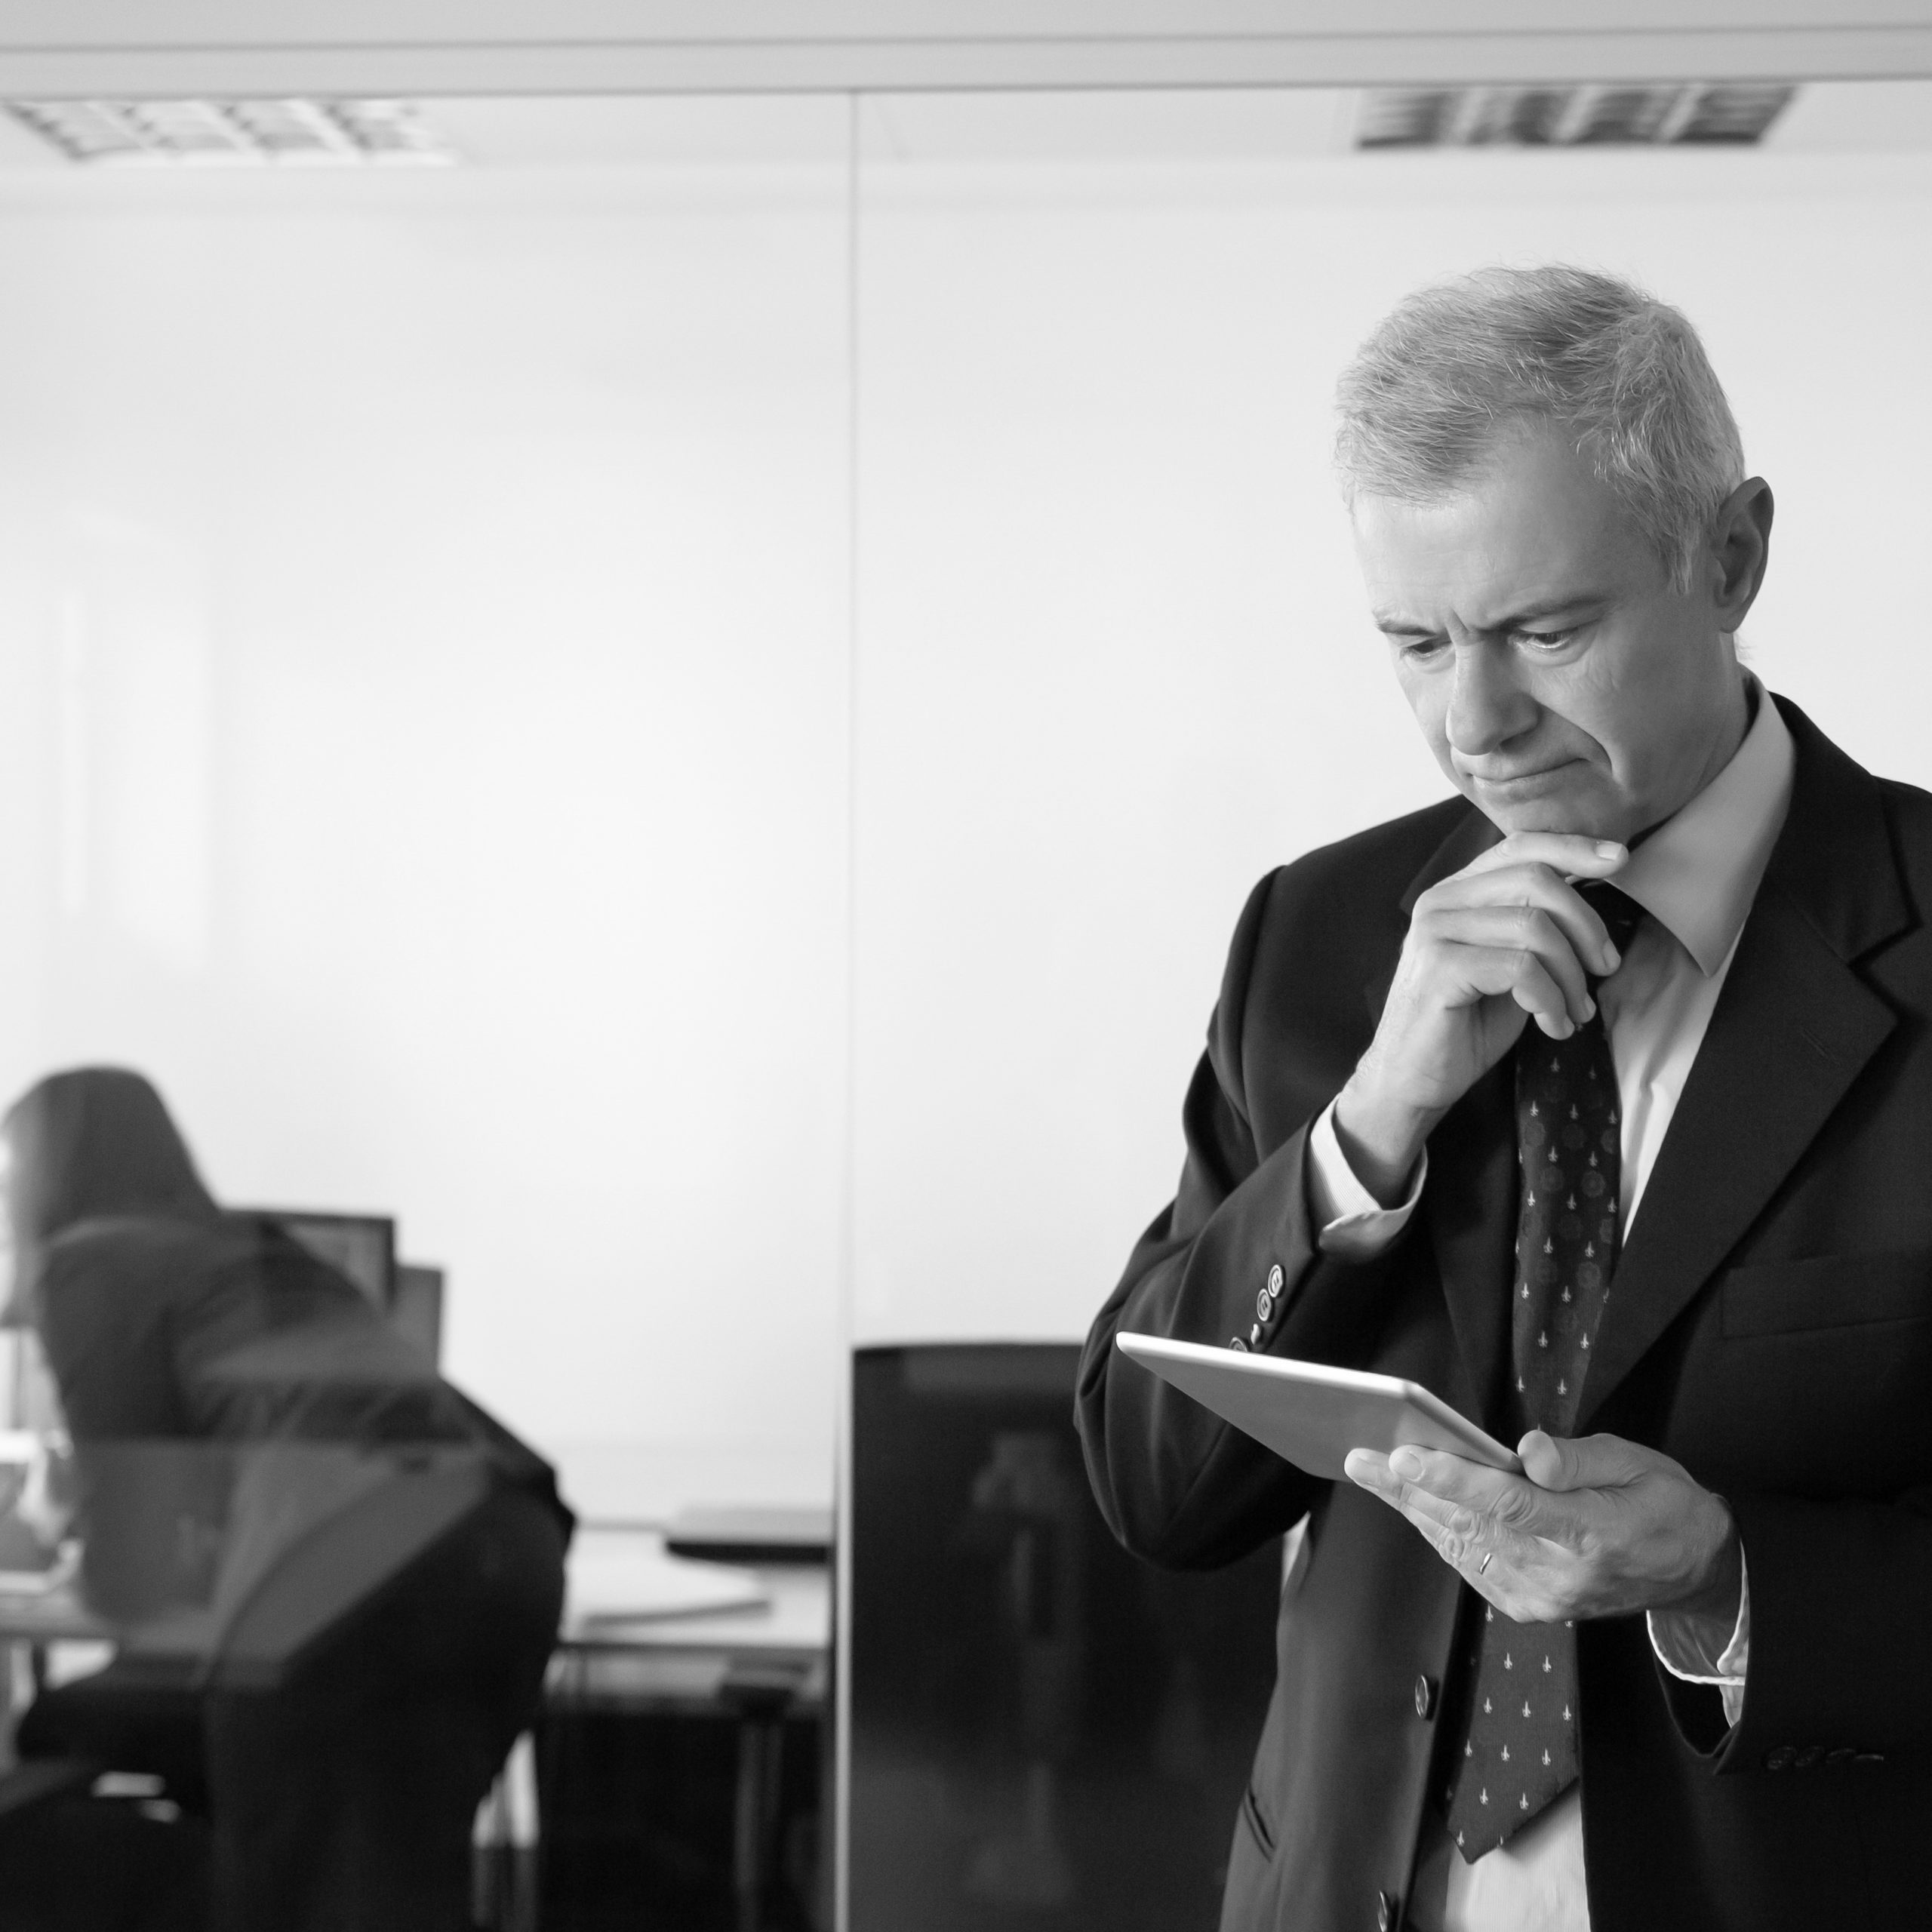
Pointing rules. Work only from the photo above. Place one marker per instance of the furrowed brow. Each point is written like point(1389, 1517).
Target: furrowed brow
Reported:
point(1576, 606)
point(1394, 626)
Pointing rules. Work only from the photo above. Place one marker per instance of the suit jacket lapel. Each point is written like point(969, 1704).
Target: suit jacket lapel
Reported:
point(1794, 1025)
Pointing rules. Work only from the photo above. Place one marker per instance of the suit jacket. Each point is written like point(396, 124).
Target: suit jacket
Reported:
point(1771, 1329)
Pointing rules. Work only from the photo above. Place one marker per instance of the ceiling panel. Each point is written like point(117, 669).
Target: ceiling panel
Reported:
point(427, 47)
point(498, 132)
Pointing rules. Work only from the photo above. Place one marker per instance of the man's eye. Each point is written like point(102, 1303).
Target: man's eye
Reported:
point(1545, 640)
point(1421, 649)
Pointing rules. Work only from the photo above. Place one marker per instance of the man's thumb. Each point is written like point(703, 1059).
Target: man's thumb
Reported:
point(1551, 1462)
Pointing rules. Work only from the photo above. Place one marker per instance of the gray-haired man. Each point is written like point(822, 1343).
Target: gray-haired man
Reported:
point(1598, 1099)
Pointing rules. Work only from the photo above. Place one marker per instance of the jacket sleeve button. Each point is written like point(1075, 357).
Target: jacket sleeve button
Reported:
point(1843, 1754)
point(1425, 1697)
point(1387, 1910)
point(1263, 1307)
point(1869, 1757)
point(1810, 1757)
point(1780, 1757)
point(1275, 1278)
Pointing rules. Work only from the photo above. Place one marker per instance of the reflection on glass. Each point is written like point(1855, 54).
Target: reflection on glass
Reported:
point(331, 1582)
point(1044, 1732)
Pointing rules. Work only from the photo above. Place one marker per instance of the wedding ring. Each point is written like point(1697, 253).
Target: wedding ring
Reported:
point(1484, 1563)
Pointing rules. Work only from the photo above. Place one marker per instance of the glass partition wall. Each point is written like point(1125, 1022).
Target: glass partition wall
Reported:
point(681, 694)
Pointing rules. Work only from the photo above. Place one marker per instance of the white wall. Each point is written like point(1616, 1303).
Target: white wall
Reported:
point(423, 738)
point(426, 673)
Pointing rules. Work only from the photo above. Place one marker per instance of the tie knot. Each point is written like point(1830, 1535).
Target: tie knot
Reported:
point(1618, 910)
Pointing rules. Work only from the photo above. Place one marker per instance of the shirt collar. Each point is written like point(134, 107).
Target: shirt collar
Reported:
point(1698, 874)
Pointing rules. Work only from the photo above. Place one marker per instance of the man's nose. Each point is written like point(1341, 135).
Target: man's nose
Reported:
point(1487, 705)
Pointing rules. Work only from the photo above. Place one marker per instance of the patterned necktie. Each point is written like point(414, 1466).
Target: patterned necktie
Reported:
point(1518, 1733)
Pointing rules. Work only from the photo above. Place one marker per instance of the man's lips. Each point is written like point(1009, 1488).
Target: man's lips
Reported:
point(1521, 781)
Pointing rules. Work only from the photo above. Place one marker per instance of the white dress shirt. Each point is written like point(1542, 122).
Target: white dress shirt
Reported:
point(1695, 877)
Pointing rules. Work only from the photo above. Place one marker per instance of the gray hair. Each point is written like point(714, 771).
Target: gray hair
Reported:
point(1453, 368)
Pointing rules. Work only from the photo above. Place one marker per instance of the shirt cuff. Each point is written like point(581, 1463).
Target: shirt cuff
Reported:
point(1348, 1220)
point(1681, 1652)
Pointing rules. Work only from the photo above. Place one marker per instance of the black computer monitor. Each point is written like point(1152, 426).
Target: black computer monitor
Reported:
point(360, 1246)
point(1045, 1732)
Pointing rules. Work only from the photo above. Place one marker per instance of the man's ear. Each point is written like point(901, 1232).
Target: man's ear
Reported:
point(1740, 549)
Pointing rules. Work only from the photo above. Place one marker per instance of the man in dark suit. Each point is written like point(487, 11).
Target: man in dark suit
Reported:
point(1635, 1176)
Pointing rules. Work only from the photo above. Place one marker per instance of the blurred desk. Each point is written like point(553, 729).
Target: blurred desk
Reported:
point(763, 1668)
point(710, 1718)
point(31, 1623)
point(49, 1617)
point(645, 1485)
point(677, 1661)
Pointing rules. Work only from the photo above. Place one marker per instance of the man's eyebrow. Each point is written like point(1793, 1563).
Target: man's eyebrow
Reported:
point(1392, 625)
point(1571, 606)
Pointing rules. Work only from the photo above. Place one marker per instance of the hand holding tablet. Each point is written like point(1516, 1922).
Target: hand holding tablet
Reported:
point(1310, 1413)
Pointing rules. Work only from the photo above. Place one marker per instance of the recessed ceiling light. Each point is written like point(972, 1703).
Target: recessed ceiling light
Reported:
point(1703, 114)
point(228, 132)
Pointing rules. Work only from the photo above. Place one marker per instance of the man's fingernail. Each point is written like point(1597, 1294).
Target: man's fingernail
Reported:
point(1406, 1463)
point(1612, 959)
point(1608, 848)
point(1589, 1007)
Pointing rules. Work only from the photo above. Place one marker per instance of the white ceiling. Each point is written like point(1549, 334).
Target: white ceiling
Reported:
point(1220, 124)
point(530, 46)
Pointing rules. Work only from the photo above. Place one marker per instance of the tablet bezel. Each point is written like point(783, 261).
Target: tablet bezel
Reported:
point(1408, 1413)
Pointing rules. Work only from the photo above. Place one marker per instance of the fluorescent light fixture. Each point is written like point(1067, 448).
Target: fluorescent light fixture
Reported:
point(231, 133)
point(1696, 114)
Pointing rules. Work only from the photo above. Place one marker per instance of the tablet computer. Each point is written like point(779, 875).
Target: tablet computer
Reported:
point(1310, 1413)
